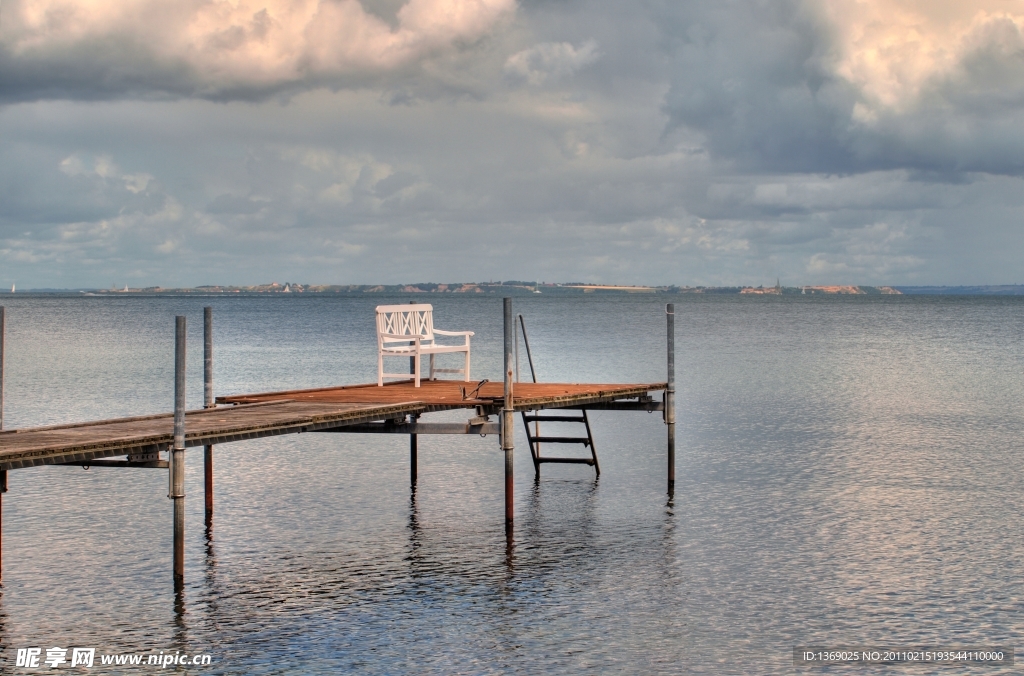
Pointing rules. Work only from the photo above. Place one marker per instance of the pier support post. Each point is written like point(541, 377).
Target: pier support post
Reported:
point(414, 445)
point(670, 394)
point(507, 413)
point(3, 473)
point(3, 489)
point(3, 338)
point(208, 402)
point(177, 464)
point(413, 452)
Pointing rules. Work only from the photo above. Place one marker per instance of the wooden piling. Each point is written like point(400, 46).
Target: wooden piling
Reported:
point(670, 394)
point(208, 402)
point(507, 413)
point(177, 464)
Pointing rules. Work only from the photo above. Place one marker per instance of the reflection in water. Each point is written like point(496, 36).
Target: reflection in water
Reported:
point(414, 530)
point(510, 552)
point(211, 590)
point(5, 643)
point(180, 636)
point(669, 565)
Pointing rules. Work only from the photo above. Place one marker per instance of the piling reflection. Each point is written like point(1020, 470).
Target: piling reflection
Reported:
point(510, 552)
point(210, 567)
point(415, 544)
point(4, 638)
point(669, 525)
point(180, 626)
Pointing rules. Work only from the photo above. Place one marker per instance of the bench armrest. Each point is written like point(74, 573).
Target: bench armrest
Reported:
point(454, 333)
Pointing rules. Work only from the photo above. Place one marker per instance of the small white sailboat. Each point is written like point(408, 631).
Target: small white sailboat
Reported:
point(12, 288)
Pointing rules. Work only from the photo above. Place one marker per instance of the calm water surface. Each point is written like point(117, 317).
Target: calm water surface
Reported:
point(849, 472)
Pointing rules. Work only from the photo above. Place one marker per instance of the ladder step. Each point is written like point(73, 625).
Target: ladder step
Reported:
point(578, 461)
point(553, 418)
point(561, 440)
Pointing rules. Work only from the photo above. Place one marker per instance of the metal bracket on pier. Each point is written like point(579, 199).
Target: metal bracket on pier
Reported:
point(151, 460)
point(156, 464)
point(648, 405)
point(469, 427)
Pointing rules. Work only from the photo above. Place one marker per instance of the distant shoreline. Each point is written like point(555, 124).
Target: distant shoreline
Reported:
point(541, 288)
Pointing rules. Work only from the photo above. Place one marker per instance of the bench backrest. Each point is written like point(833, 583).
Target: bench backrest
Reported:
point(405, 320)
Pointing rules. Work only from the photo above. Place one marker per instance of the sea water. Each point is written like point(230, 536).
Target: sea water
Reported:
point(849, 472)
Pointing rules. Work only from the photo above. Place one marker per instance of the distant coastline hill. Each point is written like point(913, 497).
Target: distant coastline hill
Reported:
point(985, 290)
point(523, 287)
point(505, 288)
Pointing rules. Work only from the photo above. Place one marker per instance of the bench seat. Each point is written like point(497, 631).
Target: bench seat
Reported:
point(408, 331)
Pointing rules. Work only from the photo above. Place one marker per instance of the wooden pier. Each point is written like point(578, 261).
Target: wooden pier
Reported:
point(159, 441)
point(142, 437)
point(444, 395)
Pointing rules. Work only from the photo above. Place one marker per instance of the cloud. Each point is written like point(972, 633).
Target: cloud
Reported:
point(103, 167)
point(637, 142)
point(858, 85)
point(221, 48)
point(895, 50)
point(549, 61)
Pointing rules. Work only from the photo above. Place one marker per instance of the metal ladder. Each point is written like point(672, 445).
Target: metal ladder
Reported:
point(534, 436)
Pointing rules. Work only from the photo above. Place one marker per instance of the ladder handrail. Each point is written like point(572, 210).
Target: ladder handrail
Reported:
point(529, 356)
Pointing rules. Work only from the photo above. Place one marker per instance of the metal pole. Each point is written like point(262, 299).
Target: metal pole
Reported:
point(414, 445)
point(3, 489)
point(3, 473)
point(670, 394)
point(507, 412)
point(208, 402)
point(177, 465)
point(526, 342)
point(535, 446)
point(413, 452)
point(3, 334)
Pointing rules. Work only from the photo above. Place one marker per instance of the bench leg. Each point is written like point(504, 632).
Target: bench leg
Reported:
point(432, 367)
point(467, 366)
point(380, 369)
point(416, 375)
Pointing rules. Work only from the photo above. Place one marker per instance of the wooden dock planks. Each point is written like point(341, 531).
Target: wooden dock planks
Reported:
point(446, 394)
point(272, 413)
point(149, 434)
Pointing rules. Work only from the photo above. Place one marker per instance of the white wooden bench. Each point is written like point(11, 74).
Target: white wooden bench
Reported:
point(408, 331)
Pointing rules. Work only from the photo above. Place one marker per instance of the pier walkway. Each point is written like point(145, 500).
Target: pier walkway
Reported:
point(141, 437)
point(253, 416)
point(443, 395)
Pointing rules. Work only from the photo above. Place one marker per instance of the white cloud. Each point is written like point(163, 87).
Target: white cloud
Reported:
point(104, 167)
point(550, 61)
point(231, 44)
point(891, 50)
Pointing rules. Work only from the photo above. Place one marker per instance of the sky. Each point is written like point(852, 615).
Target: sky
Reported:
point(707, 142)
